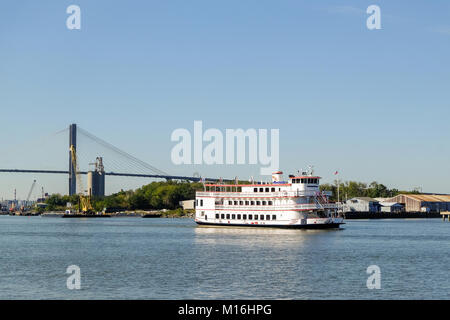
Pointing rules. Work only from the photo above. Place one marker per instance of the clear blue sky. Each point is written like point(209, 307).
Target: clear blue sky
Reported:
point(373, 104)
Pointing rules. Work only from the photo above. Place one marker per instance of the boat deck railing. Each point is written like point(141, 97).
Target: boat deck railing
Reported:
point(276, 194)
point(308, 206)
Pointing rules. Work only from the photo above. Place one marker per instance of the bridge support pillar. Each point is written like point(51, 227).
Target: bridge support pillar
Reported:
point(72, 170)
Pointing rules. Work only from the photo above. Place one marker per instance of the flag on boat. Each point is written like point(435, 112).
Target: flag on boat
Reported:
point(336, 172)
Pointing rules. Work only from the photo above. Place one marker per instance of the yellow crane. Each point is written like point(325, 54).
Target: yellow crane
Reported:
point(84, 205)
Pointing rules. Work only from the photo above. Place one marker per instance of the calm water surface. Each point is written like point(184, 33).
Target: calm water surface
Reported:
point(135, 258)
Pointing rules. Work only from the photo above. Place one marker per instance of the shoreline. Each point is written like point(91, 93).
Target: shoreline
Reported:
point(388, 215)
point(190, 215)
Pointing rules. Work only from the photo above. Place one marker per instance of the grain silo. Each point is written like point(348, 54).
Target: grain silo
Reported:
point(96, 179)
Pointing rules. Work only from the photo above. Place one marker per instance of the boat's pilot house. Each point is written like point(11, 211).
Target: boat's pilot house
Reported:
point(304, 182)
point(314, 180)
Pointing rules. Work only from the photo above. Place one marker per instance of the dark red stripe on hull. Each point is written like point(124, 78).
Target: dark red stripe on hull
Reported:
point(302, 226)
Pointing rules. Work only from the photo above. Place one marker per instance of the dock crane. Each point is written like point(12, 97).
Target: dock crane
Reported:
point(84, 204)
point(22, 208)
point(31, 190)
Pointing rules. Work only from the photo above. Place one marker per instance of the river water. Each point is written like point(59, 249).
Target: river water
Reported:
point(135, 258)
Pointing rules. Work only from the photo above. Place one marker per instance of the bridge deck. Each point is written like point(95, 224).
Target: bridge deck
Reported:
point(168, 177)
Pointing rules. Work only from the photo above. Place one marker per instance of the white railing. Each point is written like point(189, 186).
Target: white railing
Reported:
point(297, 193)
point(307, 206)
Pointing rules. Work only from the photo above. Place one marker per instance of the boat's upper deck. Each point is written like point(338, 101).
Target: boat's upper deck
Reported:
point(296, 186)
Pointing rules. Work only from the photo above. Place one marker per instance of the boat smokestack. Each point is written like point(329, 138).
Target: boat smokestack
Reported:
point(277, 176)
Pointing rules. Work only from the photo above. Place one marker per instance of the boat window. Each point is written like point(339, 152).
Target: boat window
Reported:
point(270, 203)
point(268, 217)
point(255, 189)
point(256, 217)
point(258, 203)
point(228, 216)
point(233, 216)
point(250, 217)
point(241, 203)
point(261, 217)
point(261, 189)
point(252, 203)
point(273, 189)
point(274, 217)
point(201, 203)
point(239, 217)
point(267, 189)
point(244, 216)
point(217, 216)
point(222, 216)
point(263, 203)
point(246, 203)
point(235, 203)
point(303, 180)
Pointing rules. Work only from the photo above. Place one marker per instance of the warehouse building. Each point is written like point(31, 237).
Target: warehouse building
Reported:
point(187, 204)
point(392, 207)
point(362, 204)
point(423, 202)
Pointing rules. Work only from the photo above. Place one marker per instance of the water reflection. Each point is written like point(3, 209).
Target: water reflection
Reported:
point(265, 237)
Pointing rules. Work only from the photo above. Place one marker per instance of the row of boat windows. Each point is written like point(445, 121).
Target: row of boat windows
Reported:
point(250, 203)
point(245, 216)
point(306, 180)
point(265, 189)
point(241, 203)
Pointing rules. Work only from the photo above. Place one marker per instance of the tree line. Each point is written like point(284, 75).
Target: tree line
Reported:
point(351, 189)
point(154, 196)
point(168, 194)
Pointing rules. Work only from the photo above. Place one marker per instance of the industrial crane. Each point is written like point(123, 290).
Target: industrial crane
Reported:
point(31, 190)
point(84, 204)
point(22, 208)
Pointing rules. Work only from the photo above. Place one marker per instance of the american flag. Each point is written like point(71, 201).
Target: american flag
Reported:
point(336, 172)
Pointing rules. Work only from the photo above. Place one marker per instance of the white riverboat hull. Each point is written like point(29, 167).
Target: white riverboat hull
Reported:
point(296, 226)
point(330, 223)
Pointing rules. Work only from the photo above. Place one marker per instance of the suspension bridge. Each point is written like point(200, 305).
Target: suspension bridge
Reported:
point(134, 166)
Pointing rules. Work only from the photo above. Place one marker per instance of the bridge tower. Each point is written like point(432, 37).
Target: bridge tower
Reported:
point(72, 170)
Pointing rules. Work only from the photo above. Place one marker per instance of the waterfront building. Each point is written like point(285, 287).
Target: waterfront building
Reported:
point(423, 202)
point(362, 204)
point(187, 204)
point(392, 207)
